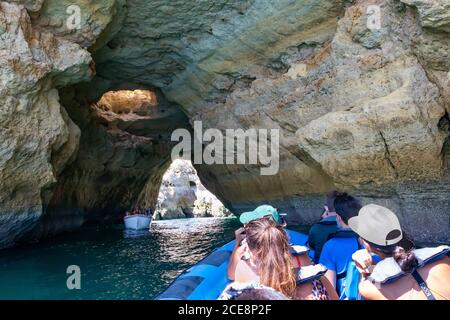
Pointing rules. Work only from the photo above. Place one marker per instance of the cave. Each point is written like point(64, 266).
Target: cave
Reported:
point(87, 119)
point(182, 195)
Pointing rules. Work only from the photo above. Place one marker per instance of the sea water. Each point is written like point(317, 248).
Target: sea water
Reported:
point(114, 263)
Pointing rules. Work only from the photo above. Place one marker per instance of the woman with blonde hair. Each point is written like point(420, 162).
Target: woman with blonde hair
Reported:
point(266, 252)
point(270, 256)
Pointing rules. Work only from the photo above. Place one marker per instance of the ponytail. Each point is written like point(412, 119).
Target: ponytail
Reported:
point(405, 259)
point(269, 243)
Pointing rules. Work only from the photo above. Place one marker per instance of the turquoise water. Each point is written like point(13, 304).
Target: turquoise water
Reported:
point(114, 263)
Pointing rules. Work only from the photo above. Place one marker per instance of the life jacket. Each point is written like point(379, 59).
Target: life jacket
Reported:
point(327, 222)
point(327, 227)
point(309, 273)
point(297, 250)
point(344, 233)
point(388, 270)
point(353, 278)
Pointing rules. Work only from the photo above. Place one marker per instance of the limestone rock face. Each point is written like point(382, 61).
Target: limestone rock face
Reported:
point(433, 14)
point(358, 107)
point(197, 50)
point(182, 195)
point(375, 134)
point(362, 112)
point(85, 22)
point(37, 137)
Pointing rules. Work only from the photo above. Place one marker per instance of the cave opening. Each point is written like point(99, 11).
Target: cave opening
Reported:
point(128, 103)
point(121, 136)
point(144, 121)
point(182, 195)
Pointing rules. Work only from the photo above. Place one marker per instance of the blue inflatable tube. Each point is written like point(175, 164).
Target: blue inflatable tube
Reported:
point(208, 278)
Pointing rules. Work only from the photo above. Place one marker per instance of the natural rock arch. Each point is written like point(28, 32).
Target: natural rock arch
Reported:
point(359, 109)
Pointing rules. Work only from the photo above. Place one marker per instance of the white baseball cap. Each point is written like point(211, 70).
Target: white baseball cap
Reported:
point(377, 224)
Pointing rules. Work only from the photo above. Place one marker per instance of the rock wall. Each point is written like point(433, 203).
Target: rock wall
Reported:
point(359, 109)
point(37, 137)
point(182, 195)
point(368, 113)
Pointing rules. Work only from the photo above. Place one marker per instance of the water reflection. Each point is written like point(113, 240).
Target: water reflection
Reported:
point(129, 233)
point(115, 264)
point(177, 238)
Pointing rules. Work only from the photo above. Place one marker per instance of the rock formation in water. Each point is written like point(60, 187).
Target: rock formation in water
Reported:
point(359, 108)
point(182, 195)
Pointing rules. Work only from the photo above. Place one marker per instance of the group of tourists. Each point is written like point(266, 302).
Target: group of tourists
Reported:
point(139, 211)
point(359, 252)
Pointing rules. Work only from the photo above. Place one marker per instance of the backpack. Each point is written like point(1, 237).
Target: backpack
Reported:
point(351, 273)
point(352, 282)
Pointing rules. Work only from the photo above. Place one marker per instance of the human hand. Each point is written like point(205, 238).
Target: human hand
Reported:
point(239, 234)
point(363, 261)
point(242, 250)
point(325, 212)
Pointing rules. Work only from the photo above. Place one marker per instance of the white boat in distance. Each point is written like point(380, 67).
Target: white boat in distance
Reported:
point(137, 221)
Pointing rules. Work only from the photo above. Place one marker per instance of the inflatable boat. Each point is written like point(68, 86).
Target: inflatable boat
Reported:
point(137, 222)
point(208, 278)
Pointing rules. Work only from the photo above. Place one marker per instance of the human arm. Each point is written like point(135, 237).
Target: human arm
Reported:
point(369, 291)
point(364, 263)
point(331, 277)
point(327, 260)
point(236, 255)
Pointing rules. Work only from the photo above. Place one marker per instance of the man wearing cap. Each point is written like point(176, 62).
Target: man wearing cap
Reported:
point(337, 251)
point(414, 275)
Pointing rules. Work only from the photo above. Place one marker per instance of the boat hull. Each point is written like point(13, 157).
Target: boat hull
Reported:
point(208, 278)
point(137, 222)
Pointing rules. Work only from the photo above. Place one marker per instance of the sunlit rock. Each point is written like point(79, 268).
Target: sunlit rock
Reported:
point(182, 195)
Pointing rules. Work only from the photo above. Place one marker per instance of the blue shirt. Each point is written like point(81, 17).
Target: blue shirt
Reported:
point(336, 254)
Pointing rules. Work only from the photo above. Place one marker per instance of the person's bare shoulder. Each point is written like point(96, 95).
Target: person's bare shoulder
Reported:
point(442, 264)
point(438, 276)
point(438, 270)
point(370, 291)
point(244, 272)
